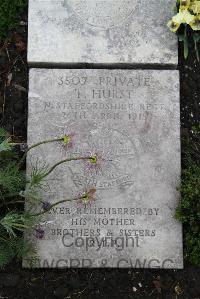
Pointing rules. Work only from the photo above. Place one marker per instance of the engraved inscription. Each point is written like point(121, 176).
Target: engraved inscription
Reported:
point(127, 122)
point(102, 13)
point(114, 151)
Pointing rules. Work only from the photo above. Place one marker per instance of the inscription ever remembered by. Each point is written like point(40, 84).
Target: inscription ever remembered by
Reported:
point(130, 121)
point(101, 31)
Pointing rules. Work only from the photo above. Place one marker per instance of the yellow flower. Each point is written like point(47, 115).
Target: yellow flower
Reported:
point(66, 139)
point(87, 197)
point(183, 17)
point(173, 26)
point(184, 4)
point(195, 25)
point(195, 7)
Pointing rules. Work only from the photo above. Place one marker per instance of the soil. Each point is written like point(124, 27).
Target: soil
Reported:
point(18, 283)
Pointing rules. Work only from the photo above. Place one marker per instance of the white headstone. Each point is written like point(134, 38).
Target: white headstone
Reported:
point(129, 119)
point(66, 32)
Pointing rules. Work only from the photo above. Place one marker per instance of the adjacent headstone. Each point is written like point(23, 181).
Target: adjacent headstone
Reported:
point(108, 32)
point(129, 119)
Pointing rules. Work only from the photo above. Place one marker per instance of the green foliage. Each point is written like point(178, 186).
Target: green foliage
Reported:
point(12, 179)
point(5, 146)
point(7, 253)
point(4, 141)
point(188, 211)
point(14, 190)
point(13, 247)
point(9, 14)
point(3, 134)
point(38, 173)
point(13, 221)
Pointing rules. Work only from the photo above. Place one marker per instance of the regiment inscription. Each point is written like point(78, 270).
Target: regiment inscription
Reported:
point(128, 120)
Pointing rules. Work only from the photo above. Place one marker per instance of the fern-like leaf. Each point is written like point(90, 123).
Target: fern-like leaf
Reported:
point(6, 254)
point(5, 146)
point(37, 176)
point(16, 222)
point(12, 180)
point(3, 133)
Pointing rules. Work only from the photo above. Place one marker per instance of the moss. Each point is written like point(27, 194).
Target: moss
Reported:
point(189, 212)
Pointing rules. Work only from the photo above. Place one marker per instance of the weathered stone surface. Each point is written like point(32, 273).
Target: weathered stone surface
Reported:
point(130, 120)
point(102, 32)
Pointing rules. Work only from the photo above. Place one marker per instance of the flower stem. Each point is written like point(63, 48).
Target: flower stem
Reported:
point(36, 145)
point(185, 41)
point(62, 162)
